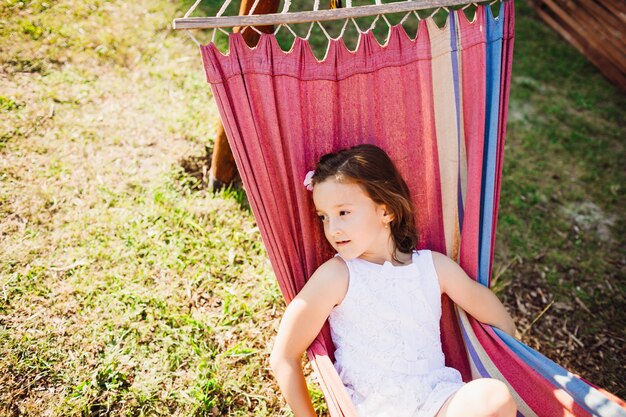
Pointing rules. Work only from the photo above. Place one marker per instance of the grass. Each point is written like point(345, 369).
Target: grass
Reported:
point(126, 289)
point(121, 290)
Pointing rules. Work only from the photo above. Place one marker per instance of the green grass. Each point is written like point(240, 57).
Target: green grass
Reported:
point(126, 289)
point(121, 284)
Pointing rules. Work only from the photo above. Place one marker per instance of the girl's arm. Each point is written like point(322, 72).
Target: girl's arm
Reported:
point(301, 323)
point(476, 299)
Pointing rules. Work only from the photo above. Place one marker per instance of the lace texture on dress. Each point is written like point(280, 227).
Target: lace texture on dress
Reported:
point(388, 348)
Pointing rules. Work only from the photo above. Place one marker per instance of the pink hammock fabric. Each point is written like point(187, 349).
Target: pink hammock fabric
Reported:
point(437, 105)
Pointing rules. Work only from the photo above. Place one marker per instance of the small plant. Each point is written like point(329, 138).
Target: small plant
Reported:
point(8, 104)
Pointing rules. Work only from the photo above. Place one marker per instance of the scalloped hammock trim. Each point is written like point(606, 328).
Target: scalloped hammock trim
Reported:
point(339, 62)
point(438, 106)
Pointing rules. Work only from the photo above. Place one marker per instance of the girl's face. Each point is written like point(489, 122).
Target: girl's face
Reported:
point(353, 223)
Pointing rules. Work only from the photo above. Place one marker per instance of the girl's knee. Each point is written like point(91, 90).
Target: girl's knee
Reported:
point(493, 398)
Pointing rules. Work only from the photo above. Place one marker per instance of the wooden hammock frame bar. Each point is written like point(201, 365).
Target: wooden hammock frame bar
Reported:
point(273, 19)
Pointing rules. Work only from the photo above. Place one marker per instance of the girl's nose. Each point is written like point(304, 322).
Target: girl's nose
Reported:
point(333, 228)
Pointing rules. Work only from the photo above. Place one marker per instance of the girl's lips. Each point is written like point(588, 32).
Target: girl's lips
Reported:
point(343, 242)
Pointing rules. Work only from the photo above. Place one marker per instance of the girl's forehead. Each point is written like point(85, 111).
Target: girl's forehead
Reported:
point(332, 193)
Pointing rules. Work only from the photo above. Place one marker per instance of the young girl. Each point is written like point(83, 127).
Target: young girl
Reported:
point(382, 300)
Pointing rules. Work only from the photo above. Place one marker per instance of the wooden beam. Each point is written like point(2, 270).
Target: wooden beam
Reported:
point(595, 28)
point(592, 35)
point(310, 16)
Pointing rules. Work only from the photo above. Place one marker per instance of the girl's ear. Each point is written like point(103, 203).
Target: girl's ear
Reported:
point(388, 216)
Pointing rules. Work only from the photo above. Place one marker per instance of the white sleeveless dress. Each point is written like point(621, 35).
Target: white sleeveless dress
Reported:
point(386, 333)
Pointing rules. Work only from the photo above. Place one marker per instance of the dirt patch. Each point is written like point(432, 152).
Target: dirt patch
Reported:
point(588, 217)
point(585, 337)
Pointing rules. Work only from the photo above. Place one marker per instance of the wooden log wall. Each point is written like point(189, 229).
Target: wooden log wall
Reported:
point(597, 28)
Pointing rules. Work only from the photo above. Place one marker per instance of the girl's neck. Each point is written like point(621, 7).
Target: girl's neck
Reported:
point(401, 258)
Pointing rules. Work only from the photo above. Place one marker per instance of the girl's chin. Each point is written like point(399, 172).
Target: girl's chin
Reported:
point(346, 255)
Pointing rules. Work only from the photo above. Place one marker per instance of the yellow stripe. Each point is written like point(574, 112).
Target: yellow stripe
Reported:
point(445, 128)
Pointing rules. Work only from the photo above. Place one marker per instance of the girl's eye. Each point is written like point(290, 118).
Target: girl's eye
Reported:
point(344, 212)
point(322, 217)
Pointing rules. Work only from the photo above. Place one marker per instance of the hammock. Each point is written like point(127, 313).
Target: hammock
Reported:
point(438, 106)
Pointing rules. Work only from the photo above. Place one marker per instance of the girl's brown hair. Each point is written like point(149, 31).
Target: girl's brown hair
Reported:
point(371, 168)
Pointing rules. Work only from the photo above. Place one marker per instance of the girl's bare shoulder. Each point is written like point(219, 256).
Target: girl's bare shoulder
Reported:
point(442, 261)
point(335, 269)
point(333, 276)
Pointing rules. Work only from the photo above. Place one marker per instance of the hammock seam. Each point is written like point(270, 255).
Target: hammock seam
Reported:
point(236, 74)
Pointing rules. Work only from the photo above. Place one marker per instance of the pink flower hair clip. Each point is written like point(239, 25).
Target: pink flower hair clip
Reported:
point(308, 180)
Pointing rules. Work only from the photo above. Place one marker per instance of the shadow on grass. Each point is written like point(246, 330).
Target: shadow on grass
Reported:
point(195, 170)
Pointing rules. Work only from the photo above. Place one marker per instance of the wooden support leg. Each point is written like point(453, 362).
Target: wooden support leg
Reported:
point(223, 170)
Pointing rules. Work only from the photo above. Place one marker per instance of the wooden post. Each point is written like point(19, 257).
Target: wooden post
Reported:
point(223, 169)
point(595, 27)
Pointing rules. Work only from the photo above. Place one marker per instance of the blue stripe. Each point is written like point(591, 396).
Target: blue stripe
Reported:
point(474, 355)
point(587, 397)
point(492, 110)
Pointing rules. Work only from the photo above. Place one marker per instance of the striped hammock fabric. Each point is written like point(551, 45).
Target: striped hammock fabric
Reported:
point(438, 106)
